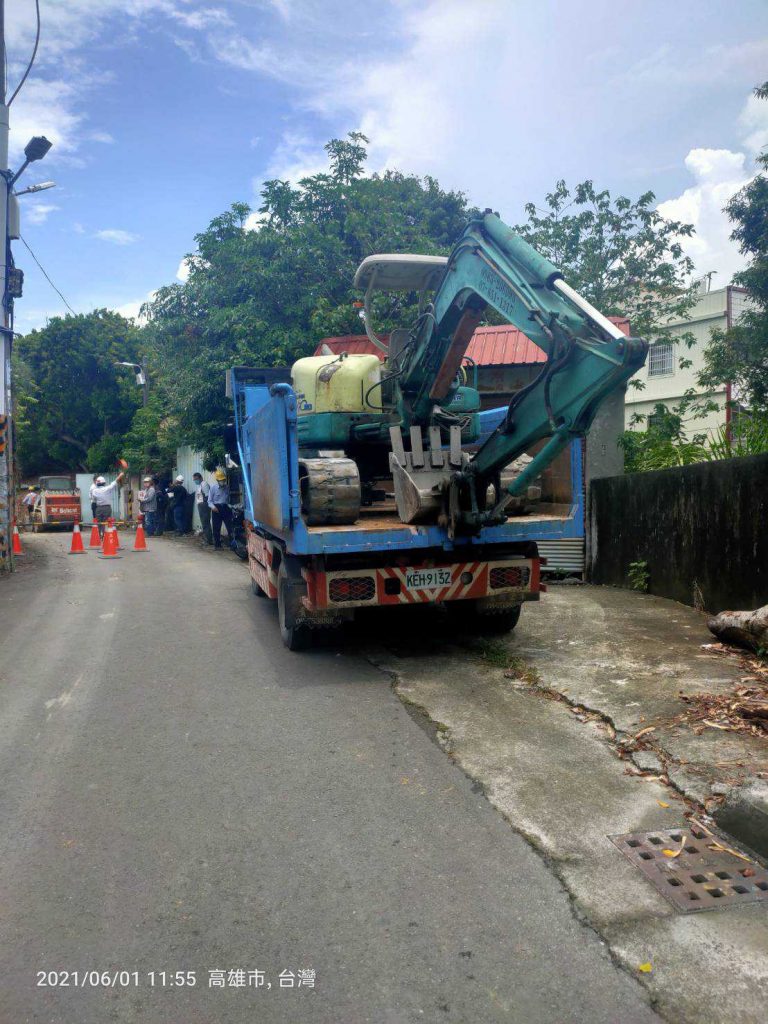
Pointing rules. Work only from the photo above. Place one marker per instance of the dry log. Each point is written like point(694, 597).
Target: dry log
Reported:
point(745, 629)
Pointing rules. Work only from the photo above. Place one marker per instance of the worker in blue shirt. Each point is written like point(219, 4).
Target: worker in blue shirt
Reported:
point(218, 502)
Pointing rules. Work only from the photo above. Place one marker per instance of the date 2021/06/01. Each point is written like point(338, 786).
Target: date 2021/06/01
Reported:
point(239, 977)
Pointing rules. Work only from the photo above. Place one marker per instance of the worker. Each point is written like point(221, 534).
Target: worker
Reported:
point(148, 505)
point(177, 493)
point(90, 497)
point(29, 501)
point(101, 496)
point(202, 490)
point(218, 502)
point(162, 506)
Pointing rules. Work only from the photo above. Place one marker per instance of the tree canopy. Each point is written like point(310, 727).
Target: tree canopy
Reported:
point(264, 287)
point(620, 254)
point(73, 405)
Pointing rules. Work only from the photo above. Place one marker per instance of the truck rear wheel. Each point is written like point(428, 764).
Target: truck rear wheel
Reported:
point(296, 637)
point(473, 617)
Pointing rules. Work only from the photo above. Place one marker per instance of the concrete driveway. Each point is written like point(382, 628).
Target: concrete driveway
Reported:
point(538, 720)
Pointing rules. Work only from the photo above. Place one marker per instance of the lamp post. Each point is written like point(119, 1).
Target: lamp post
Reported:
point(141, 378)
point(35, 149)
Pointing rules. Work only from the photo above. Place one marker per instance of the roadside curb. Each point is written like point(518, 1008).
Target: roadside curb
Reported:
point(744, 814)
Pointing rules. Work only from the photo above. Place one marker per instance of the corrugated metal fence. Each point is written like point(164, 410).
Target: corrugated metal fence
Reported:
point(189, 462)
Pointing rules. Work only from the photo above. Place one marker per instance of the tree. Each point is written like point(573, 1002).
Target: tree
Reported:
point(264, 288)
point(74, 404)
point(622, 256)
point(739, 355)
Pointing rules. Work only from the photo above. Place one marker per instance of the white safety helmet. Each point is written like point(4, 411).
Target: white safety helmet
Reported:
point(179, 479)
point(147, 479)
point(100, 480)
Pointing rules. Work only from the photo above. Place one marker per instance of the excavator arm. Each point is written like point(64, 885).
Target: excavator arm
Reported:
point(588, 357)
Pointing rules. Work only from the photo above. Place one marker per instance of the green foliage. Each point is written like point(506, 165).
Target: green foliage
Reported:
point(747, 435)
point(665, 444)
point(264, 289)
point(638, 576)
point(739, 356)
point(622, 256)
point(73, 404)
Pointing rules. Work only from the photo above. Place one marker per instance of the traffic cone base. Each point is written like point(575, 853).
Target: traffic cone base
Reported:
point(109, 547)
point(95, 541)
point(76, 547)
point(16, 547)
point(140, 543)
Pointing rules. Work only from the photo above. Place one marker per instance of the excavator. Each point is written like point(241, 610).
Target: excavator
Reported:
point(373, 481)
point(360, 422)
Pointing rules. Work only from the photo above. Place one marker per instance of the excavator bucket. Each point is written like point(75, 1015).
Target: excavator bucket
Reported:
point(422, 475)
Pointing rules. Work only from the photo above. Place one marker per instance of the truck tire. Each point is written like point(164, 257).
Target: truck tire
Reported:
point(295, 637)
point(469, 614)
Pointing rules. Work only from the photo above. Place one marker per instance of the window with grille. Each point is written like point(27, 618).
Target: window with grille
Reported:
point(661, 359)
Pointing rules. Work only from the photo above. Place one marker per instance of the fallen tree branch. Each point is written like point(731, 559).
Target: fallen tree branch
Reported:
point(746, 629)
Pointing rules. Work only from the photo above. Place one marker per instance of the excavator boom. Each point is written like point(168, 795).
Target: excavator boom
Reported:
point(588, 358)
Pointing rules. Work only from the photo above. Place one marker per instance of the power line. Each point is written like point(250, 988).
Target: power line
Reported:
point(31, 59)
point(45, 275)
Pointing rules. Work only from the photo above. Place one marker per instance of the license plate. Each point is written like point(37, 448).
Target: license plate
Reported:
point(427, 579)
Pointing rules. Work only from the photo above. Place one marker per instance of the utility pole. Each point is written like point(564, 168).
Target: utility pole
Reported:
point(10, 286)
point(6, 476)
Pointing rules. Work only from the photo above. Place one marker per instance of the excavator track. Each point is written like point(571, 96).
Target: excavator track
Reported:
point(330, 491)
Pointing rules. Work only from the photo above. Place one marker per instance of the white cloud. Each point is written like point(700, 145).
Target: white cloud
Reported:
point(117, 236)
point(718, 174)
point(132, 310)
point(45, 107)
point(254, 221)
point(754, 121)
point(37, 213)
point(52, 105)
point(295, 157)
point(182, 274)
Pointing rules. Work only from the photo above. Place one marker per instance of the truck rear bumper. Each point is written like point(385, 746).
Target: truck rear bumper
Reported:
point(503, 583)
point(499, 583)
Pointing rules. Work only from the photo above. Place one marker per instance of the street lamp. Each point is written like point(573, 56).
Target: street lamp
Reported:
point(34, 150)
point(141, 377)
point(41, 187)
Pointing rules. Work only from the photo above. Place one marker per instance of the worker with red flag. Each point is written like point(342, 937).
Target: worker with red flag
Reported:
point(101, 495)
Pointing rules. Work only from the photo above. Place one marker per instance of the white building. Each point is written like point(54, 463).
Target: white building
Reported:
point(664, 380)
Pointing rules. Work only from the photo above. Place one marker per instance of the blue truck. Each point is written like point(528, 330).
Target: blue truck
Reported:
point(370, 483)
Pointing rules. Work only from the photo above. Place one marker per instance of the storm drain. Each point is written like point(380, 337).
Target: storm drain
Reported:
point(697, 877)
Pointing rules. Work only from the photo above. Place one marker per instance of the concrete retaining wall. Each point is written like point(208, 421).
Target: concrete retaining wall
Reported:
point(702, 529)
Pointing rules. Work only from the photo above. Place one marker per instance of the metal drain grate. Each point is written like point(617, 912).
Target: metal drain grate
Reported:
point(700, 878)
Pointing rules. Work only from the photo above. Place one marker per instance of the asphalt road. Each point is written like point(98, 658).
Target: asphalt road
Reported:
point(178, 793)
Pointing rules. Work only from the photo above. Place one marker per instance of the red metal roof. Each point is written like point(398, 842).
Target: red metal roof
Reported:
point(490, 346)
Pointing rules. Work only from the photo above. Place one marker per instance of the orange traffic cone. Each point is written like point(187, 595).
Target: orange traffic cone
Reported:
point(109, 547)
point(95, 541)
point(16, 541)
point(77, 541)
point(140, 544)
point(118, 545)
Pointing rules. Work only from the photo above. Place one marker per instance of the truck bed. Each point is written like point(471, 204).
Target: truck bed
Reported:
point(266, 427)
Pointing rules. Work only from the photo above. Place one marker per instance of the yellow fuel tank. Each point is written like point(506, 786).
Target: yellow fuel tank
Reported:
point(336, 383)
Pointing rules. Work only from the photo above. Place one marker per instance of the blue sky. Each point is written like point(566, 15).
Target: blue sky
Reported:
point(163, 112)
